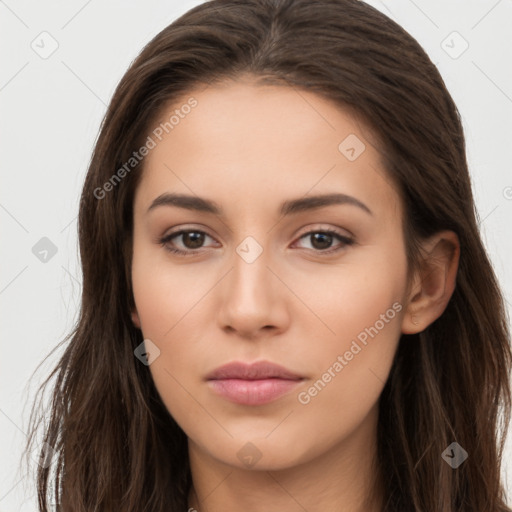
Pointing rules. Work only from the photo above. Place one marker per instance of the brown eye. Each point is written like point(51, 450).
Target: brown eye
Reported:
point(321, 241)
point(191, 240)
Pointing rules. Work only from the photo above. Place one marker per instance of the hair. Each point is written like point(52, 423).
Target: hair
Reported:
point(116, 445)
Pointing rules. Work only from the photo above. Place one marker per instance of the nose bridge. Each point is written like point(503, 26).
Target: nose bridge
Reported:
point(250, 299)
point(251, 279)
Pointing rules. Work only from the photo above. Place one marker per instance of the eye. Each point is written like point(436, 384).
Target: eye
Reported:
point(191, 240)
point(321, 240)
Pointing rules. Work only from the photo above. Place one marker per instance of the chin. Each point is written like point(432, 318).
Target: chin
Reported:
point(262, 454)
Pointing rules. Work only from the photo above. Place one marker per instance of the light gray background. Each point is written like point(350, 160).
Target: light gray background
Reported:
point(51, 112)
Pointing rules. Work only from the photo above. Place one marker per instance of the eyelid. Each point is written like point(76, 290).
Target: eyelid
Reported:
point(345, 239)
point(185, 228)
point(343, 232)
point(164, 239)
point(307, 230)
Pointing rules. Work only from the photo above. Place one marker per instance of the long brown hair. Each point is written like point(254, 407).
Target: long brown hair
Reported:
point(116, 445)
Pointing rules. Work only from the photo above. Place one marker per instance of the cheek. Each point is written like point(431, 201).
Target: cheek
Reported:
point(165, 304)
point(172, 315)
point(361, 307)
point(359, 299)
point(164, 293)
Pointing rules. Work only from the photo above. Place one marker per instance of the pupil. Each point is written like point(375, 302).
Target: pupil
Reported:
point(197, 239)
point(325, 240)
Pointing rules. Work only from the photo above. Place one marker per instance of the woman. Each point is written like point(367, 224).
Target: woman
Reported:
point(286, 303)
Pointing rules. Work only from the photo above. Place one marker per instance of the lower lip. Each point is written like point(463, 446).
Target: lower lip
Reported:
point(252, 392)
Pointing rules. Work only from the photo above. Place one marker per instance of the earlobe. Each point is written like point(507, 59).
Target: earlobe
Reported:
point(434, 282)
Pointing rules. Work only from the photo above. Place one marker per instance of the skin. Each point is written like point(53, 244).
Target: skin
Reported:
point(249, 148)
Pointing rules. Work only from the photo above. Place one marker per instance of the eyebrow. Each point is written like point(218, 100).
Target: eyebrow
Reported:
point(289, 207)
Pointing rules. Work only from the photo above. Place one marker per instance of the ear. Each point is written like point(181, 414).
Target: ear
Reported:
point(433, 283)
point(135, 318)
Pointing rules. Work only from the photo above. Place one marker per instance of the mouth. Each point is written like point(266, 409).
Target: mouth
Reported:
point(252, 384)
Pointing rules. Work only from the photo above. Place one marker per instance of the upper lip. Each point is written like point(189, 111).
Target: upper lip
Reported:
point(254, 371)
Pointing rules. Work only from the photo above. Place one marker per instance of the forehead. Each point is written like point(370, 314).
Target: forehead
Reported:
point(264, 142)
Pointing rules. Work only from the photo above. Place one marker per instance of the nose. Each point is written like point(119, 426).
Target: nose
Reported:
point(253, 299)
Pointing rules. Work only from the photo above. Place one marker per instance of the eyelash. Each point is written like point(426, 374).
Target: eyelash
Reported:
point(346, 241)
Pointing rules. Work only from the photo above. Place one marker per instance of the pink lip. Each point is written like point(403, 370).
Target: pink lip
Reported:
point(252, 384)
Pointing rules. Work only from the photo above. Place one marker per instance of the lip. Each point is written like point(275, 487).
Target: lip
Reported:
point(252, 384)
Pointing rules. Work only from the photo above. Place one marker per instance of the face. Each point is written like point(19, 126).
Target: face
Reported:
point(267, 274)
